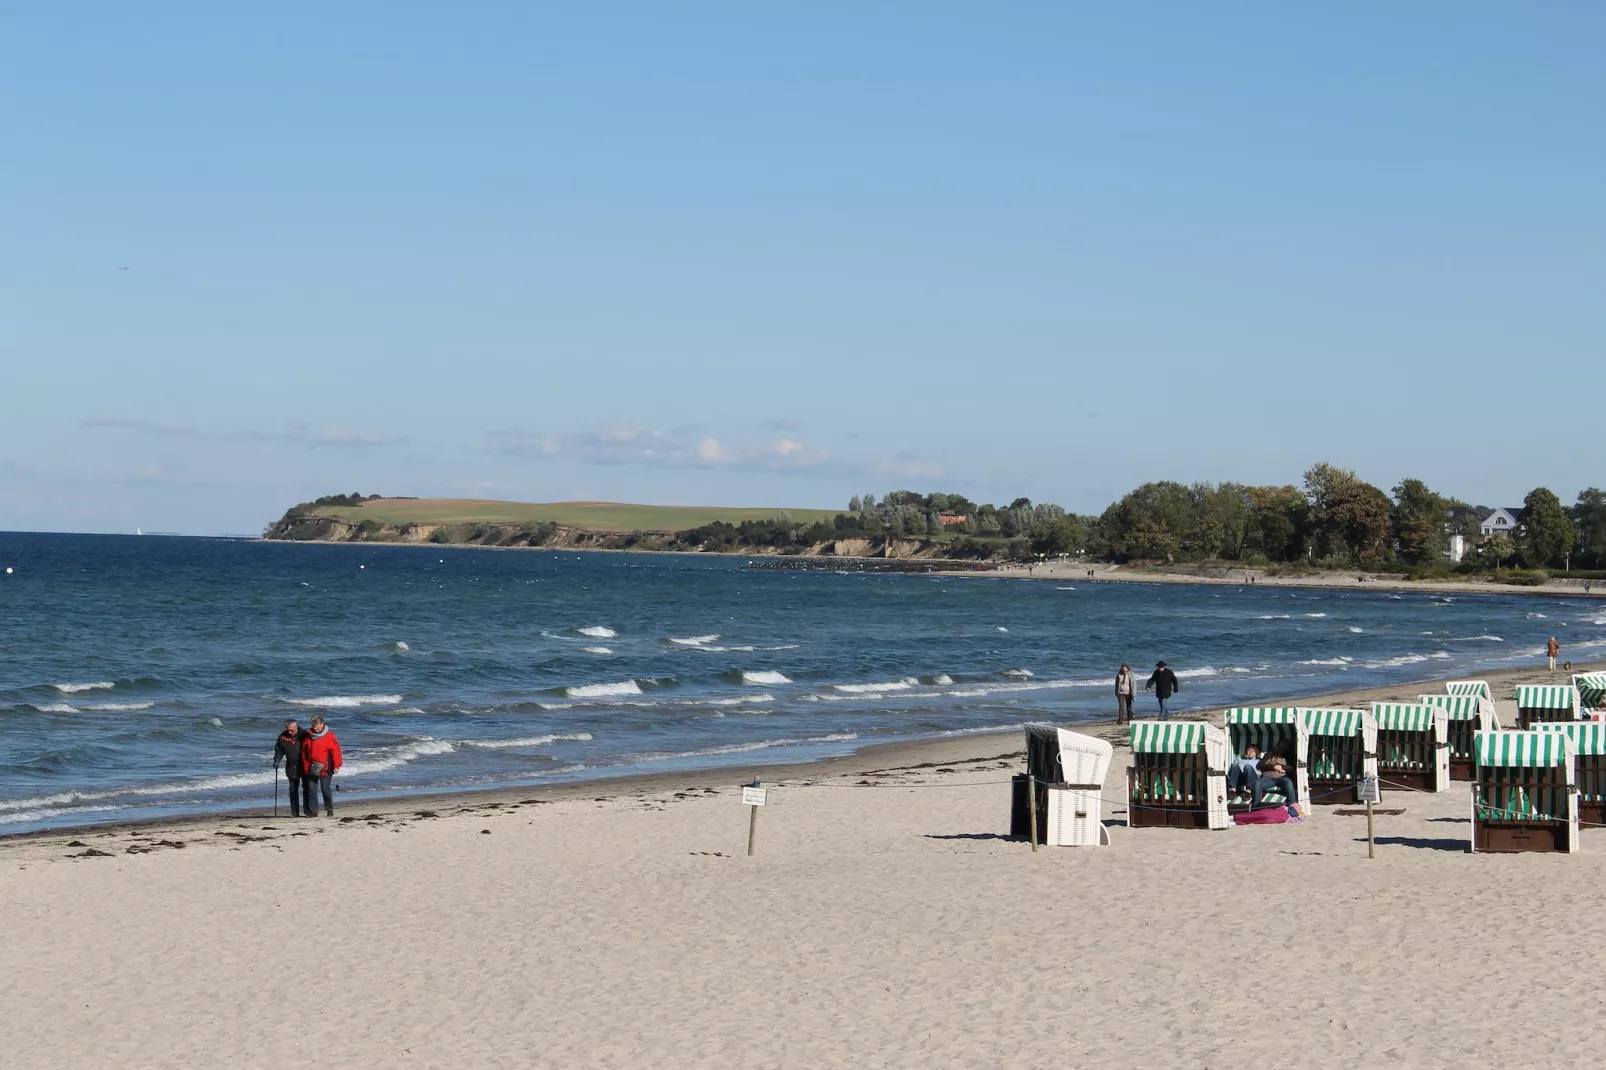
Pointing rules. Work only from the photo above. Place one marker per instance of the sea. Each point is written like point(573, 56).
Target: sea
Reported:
point(145, 676)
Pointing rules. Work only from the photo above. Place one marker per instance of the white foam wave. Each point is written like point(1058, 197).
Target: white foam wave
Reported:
point(696, 640)
point(1316, 614)
point(942, 679)
point(743, 748)
point(399, 645)
point(1002, 628)
point(743, 701)
point(1065, 588)
point(527, 741)
point(1019, 674)
point(622, 687)
point(876, 689)
point(345, 702)
point(56, 707)
point(390, 759)
point(1406, 659)
point(598, 650)
point(1356, 630)
point(1473, 638)
point(1205, 670)
point(982, 690)
point(597, 631)
point(1531, 616)
point(764, 676)
point(110, 706)
point(73, 689)
point(1274, 616)
point(17, 817)
point(1329, 661)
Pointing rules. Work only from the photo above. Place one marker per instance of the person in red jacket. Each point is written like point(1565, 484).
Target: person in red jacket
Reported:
point(320, 761)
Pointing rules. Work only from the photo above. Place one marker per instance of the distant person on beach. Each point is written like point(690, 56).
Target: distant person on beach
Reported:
point(1244, 772)
point(1274, 776)
point(1552, 649)
point(320, 761)
point(1125, 685)
point(287, 749)
point(1163, 682)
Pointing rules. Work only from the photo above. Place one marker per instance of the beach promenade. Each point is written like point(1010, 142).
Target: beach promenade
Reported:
point(885, 921)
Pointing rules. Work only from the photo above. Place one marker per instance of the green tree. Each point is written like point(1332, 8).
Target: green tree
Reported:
point(1589, 518)
point(855, 505)
point(1278, 517)
point(1062, 535)
point(1546, 534)
point(1349, 515)
point(1420, 522)
point(1498, 548)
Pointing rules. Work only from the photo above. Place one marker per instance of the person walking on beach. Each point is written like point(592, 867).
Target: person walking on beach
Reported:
point(287, 749)
point(1163, 682)
point(1552, 649)
point(1125, 685)
point(320, 761)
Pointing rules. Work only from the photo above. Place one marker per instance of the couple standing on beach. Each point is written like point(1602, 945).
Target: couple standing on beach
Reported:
point(311, 759)
point(1163, 682)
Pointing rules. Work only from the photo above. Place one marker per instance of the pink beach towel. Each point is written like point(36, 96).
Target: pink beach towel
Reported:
point(1271, 815)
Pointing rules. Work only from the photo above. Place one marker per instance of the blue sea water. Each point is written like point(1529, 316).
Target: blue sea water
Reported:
point(149, 676)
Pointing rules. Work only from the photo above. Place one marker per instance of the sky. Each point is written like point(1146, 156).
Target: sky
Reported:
point(737, 254)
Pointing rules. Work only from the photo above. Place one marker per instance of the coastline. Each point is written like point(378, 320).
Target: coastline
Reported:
point(931, 751)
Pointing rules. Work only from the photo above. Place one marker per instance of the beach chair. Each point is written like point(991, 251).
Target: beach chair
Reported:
point(1546, 702)
point(1589, 755)
point(1178, 776)
point(1524, 798)
point(1342, 748)
point(1468, 714)
point(1275, 730)
point(1413, 745)
point(1475, 688)
point(1591, 688)
point(1069, 769)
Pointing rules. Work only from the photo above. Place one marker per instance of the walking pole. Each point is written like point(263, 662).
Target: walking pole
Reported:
point(276, 790)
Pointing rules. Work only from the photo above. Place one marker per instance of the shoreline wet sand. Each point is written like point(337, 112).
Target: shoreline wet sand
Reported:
point(885, 920)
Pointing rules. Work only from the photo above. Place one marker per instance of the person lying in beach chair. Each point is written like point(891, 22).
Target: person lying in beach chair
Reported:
point(1275, 781)
point(1243, 772)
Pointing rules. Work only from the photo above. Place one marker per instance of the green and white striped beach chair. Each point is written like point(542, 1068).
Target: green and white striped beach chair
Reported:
point(1343, 752)
point(1546, 702)
point(1525, 797)
point(1413, 745)
point(1274, 729)
point(1591, 688)
point(1178, 776)
point(1589, 748)
point(1468, 715)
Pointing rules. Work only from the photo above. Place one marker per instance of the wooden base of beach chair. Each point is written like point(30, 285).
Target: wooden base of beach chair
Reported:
point(1509, 837)
point(1165, 816)
point(1333, 792)
point(1463, 769)
point(1407, 780)
point(1592, 812)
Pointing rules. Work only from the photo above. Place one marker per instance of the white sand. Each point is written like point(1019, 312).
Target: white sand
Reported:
point(885, 926)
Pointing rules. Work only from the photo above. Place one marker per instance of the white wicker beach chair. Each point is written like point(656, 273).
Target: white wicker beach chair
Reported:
point(1070, 769)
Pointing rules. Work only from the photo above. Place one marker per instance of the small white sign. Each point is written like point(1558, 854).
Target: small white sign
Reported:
point(1367, 791)
point(754, 796)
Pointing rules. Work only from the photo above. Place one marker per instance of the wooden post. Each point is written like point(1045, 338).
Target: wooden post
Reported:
point(1371, 848)
point(1031, 803)
point(752, 825)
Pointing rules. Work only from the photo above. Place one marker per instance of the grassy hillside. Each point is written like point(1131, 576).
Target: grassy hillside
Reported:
point(590, 516)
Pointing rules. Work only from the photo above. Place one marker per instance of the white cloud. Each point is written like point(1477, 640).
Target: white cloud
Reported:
point(661, 449)
point(301, 434)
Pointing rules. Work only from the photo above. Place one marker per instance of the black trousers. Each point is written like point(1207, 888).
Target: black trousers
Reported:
point(309, 794)
point(295, 795)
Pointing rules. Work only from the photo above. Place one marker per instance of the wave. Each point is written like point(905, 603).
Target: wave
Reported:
point(1315, 614)
point(1329, 661)
point(764, 676)
point(622, 687)
point(597, 650)
point(56, 707)
point(1531, 616)
point(1274, 616)
point(528, 741)
point(876, 689)
point(743, 748)
point(597, 631)
point(1204, 670)
point(1020, 674)
point(1473, 638)
point(398, 645)
point(1065, 588)
point(743, 701)
point(1405, 659)
point(73, 689)
point(942, 679)
point(696, 640)
point(1002, 628)
point(110, 706)
point(391, 758)
point(1356, 630)
point(17, 817)
point(982, 690)
point(344, 702)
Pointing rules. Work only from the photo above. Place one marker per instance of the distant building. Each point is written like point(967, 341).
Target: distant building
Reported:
point(949, 519)
point(1499, 522)
point(1458, 549)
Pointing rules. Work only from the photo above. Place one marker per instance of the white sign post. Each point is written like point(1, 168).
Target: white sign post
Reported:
point(1368, 792)
point(753, 796)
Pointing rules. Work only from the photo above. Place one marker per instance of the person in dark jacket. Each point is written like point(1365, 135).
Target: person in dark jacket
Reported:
point(287, 750)
point(320, 761)
point(1163, 682)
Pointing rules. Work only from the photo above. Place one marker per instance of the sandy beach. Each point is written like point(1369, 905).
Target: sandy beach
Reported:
point(885, 921)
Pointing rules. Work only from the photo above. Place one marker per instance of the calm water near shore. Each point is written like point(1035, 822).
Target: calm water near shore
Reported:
point(148, 676)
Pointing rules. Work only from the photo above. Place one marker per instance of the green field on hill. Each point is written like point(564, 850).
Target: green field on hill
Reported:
point(589, 516)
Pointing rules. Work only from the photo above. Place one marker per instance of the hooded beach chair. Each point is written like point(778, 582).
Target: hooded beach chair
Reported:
point(1524, 798)
point(1591, 688)
point(1069, 769)
point(1342, 749)
point(1589, 756)
point(1413, 745)
point(1475, 688)
point(1468, 714)
point(1275, 730)
point(1178, 776)
point(1546, 702)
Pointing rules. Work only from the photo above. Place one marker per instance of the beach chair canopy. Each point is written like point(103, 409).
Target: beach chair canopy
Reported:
point(1529, 750)
point(1591, 687)
point(1399, 717)
point(1458, 707)
point(1475, 688)
point(1588, 737)
point(1059, 756)
point(1333, 722)
point(1546, 697)
point(1179, 737)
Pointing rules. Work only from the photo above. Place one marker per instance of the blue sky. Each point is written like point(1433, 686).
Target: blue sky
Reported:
point(734, 254)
